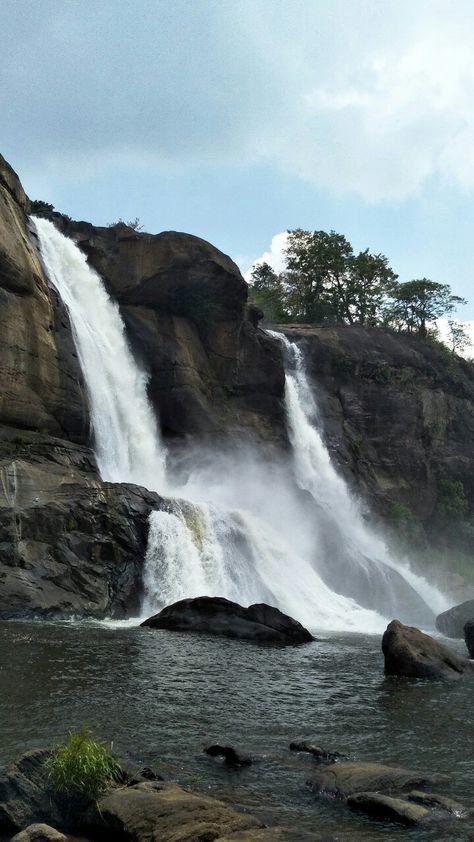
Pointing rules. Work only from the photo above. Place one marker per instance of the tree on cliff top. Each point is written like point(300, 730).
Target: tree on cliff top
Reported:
point(417, 304)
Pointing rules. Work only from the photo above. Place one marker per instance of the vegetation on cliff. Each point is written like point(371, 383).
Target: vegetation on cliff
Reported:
point(325, 282)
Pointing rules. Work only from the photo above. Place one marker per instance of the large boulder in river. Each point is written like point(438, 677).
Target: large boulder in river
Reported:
point(451, 622)
point(346, 778)
point(410, 652)
point(215, 615)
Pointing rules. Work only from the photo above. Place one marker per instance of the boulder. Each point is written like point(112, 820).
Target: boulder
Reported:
point(346, 778)
point(410, 652)
point(24, 797)
point(387, 808)
point(215, 615)
point(154, 810)
point(39, 833)
point(322, 755)
point(69, 543)
point(451, 622)
point(469, 637)
point(436, 802)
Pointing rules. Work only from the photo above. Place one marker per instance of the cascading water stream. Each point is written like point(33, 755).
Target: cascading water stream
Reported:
point(315, 473)
point(213, 543)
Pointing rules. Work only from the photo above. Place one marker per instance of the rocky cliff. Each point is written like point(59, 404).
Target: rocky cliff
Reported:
point(398, 412)
point(399, 418)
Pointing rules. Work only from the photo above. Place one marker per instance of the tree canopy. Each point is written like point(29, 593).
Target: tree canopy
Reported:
point(324, 282)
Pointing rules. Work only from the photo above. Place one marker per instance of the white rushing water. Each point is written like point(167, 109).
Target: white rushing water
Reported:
point(127, 442)
point(243, 531)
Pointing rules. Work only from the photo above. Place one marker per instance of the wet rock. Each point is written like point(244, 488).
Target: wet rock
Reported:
point(141, 775)
point(39, 833)
point(24, 797)
point(469, 637)
point(346, 778)
point(437, 802)
point(215, 615)
point(451, 622)
point(230, 755)
point(321, 754)
point(154, 810)
point(69, 543)
point(386, 808)
point(410, 652)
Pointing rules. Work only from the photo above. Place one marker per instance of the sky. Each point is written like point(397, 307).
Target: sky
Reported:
point(239, 119)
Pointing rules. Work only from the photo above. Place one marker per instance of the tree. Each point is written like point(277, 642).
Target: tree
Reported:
point(417, 304)
point(266, 292)
point(315, 279)
point(371, 280)
point(458, 337)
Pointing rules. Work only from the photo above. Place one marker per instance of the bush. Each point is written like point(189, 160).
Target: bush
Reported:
point(81, 768)
point(38, 206)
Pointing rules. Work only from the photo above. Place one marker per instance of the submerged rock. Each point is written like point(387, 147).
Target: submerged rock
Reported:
point(387, 808)
point(452, 622)
point(321, 754)
point(346, 778)
point(230, 755)
point(469, 637)
point(410, 652)
point(437, 802)
point(215, 615)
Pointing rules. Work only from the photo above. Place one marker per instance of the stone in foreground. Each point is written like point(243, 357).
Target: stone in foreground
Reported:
point(437, 802)
point(39, 833)
point(451, 622)
point(165, 812)
point(215, 615)
point(344, 779)
point(409, 652)
point(387, 808)
point(230, 755)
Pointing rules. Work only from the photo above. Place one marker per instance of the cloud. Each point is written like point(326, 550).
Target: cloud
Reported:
point(315, 91)
point(275, 256)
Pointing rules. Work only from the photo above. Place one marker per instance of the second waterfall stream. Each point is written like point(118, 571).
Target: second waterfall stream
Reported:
point(287, 532)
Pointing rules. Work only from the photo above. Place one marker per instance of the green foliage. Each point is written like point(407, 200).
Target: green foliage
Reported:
point(452, 505)
point(415, 305)
point(38, 206)
point(324, 282)
point(81, 767)
point(266, 292)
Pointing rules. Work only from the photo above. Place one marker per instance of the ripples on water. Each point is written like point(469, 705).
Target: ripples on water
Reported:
point(162, 697)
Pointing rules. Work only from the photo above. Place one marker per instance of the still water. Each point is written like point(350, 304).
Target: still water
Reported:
point(161, 697)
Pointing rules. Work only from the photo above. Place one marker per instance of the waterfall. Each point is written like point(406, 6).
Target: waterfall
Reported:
point(240, 527)
point(368, 556)
point(127, 443)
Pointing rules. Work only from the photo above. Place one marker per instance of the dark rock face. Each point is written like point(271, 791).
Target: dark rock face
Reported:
point(214, 615)
point(452, 622)
point(24, 799)
point(469, 637)
point(398, 416)
point(410, 652)
point(69, 544)
point(344, 779)
point(41, 384)
point(184, 305)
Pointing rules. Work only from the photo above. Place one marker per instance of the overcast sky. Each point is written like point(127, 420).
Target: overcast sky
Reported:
point(237, 119)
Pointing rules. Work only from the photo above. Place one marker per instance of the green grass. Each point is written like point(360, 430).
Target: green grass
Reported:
point(81, 767)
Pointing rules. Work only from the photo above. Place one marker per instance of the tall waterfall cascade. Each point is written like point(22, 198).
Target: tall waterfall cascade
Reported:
point(288, 534)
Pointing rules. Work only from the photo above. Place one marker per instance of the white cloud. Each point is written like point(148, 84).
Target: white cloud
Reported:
point(275, 256)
